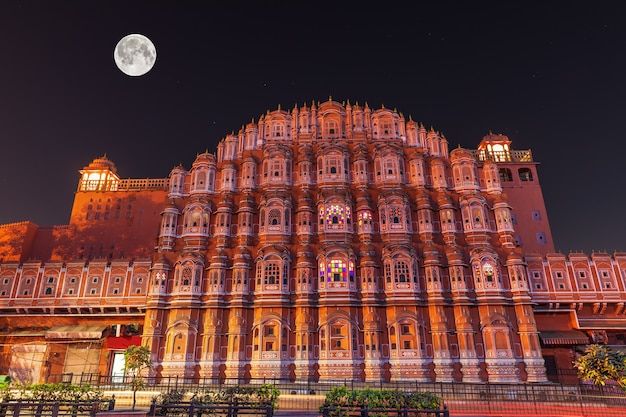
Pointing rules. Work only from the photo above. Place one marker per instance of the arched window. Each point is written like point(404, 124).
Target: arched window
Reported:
point(401, 272)
point(396, 215)
point(525, 174)
point(272, 273)
point(365, 217)
point(187, 275)
point(336, 214)
point(488, 272)
point(274, 217)
point(337, 271)
point(505, 175)
point(278, 130)
point(339, 336)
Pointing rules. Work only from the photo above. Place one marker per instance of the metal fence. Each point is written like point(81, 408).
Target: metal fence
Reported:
point(376, 412)
point(460, 398)
point(214, 410)
point(50, 409)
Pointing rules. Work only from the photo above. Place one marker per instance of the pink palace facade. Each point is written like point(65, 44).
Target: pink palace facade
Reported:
point(330, 241)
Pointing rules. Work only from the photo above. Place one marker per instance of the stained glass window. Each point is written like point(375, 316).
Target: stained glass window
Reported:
point(335, 214)
point(351, 271)
point(337, 271)
point(488, 271)
point(395, 214)
point(477, 272)
point(187, 274)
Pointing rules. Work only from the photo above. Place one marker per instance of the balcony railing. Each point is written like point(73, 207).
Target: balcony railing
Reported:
point(143, 184)
point(502, 156)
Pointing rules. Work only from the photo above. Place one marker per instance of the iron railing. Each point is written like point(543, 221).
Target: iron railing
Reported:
point(232, 409)
point(522, 398)
point(21, 408)
point(366, 412)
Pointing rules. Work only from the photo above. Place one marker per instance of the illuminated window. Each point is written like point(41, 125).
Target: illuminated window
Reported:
point(365, 217)
point(335, 214)
point(337, 271)
point(477, 272)
point(488, 271)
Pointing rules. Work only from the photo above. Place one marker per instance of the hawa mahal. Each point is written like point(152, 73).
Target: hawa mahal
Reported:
point(326, 242)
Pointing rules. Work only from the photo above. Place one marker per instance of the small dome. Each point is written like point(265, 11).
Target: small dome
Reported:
point(204, 158)
point(371, 319)
point(102, 163)
point(460, 153)
point(236, 321)
point(303, 318)
point(213, 322)
point(242, 252)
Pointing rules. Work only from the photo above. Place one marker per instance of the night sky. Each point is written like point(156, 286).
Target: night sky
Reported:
point(551, 77)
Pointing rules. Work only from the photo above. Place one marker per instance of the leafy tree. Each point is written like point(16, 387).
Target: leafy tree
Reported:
point(136, 361)
point(600, 364)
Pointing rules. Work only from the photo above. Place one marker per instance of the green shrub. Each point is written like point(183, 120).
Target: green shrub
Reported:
point(58, 392)
point(342, 397)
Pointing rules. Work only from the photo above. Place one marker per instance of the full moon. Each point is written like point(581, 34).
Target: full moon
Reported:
point(135, 55)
